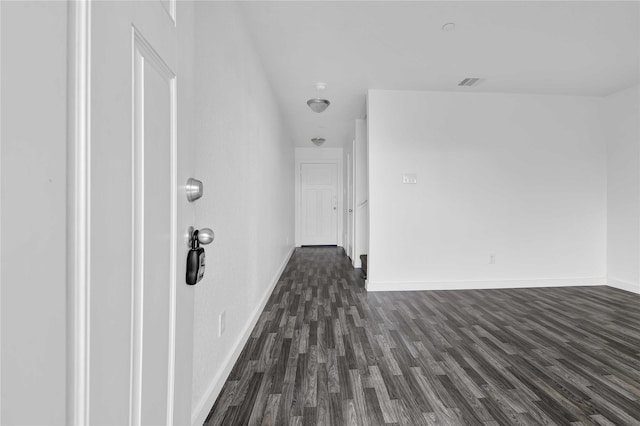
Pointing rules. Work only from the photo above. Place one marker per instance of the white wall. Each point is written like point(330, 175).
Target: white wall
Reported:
point(245, 160)
point(621, 118)
point(33, 223)
point(333, 155)
point(362, 192)
point(518, 176)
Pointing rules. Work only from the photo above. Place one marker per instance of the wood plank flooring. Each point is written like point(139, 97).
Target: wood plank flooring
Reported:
point(326, 352)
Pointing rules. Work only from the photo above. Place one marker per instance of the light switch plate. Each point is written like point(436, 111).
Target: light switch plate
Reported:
point(409, 178)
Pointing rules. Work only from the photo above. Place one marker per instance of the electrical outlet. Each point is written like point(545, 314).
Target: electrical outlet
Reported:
point(222, 323)
point(492, 259)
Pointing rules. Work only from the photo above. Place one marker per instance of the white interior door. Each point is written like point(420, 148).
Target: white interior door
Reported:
point(154, 210)
point(319, 204)
point(140, 307)
point(350, 216)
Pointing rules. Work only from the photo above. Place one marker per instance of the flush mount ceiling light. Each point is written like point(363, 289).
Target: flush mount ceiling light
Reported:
point(318, 141)
point(318, 104)
point(448, 27)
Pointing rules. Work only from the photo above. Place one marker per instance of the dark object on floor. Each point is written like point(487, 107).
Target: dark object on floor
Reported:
point(326, 352)
point(363, 261)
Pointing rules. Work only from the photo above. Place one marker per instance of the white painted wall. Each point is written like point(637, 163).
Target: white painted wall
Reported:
point(519, 176)
point(319, 155)
point(621, 118)
point(33, 206)
point(362, 192)
point(245, 160)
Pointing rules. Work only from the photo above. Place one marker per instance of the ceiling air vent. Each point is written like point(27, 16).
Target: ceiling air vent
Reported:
point(468, 82)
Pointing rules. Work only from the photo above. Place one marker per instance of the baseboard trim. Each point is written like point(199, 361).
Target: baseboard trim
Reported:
point(624, 285)
point(481, 285)
point(203, 407)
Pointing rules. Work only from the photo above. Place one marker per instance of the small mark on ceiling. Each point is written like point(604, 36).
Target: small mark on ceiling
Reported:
point(448, 27)
point(470, 81)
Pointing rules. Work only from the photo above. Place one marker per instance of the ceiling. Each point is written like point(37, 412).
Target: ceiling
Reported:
point(574, 48)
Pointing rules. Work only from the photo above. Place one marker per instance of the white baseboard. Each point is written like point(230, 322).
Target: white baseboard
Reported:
point(203, 407)
point(478, 285)
point(624, 285)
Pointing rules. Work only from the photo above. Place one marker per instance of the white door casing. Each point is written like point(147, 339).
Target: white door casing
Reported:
point(350, 226)
point(319, 203)
point(133, 312)
point(348, 244)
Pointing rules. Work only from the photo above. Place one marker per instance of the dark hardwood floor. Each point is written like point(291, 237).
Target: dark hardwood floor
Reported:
point(326, 352)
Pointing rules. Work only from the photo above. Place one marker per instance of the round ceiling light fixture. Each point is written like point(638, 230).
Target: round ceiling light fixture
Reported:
point(448, 27)
point(318, 141)
point(318, 104)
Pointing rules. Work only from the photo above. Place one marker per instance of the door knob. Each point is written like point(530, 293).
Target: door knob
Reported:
point(350, 210)
point(205, 235)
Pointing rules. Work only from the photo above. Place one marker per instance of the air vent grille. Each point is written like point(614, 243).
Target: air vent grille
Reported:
point(470, 81)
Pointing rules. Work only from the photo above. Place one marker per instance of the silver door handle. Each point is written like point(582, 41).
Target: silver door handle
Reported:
point(204, 235)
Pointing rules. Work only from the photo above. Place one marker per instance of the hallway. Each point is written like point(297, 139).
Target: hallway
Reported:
point(325, 351)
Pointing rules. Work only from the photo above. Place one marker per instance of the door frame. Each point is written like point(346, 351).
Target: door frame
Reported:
point(339, 194)
point(350, 227)
point(78, 211)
